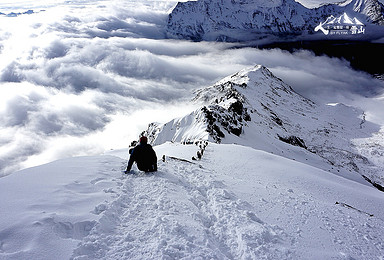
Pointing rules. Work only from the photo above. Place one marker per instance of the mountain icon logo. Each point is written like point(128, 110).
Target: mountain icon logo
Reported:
point(341, 25)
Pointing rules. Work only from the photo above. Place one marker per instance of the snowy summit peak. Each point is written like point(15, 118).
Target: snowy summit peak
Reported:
point(230, 105)
point(248, 74)
point(251, 82)
point(255, 108)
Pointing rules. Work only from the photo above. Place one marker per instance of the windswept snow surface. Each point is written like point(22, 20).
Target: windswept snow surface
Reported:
point(235, 203)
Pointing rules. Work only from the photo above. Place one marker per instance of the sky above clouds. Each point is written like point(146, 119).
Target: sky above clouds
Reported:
point(81, 78)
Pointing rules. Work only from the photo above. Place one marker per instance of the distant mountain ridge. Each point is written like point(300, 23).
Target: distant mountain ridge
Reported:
point(13, 14)
point(256, 109)
point(237, 20)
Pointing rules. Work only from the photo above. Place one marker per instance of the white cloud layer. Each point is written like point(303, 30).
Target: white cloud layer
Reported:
point(79, 79)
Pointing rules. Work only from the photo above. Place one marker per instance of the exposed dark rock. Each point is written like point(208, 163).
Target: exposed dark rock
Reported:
point(376, 185)
point(293, 140)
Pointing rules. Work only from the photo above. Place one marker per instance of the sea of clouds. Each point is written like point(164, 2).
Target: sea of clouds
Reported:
point(82, 77)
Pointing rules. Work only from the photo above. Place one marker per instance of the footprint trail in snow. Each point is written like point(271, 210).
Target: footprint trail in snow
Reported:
point(180, 212)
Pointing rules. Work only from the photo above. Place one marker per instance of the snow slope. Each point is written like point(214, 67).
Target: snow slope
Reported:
point(228, 20)
point(235, 203)
point(46, 210)
point(255, 108)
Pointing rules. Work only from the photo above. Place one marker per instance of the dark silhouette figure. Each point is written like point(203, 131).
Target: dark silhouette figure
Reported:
point(144, 156)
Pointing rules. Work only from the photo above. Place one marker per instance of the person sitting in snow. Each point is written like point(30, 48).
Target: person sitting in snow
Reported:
point(144, 156)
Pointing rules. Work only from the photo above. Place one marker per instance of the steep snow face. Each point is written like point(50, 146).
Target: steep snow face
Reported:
point(227, 107)
point(208, 20)
point(372, 9)
point(257, 109)
point(231, 20)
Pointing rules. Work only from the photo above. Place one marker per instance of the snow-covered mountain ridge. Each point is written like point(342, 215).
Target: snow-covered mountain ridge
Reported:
point(231, 20)
point(261, 207)
point(256, 109)
point(241, 200)
point(13, 14)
